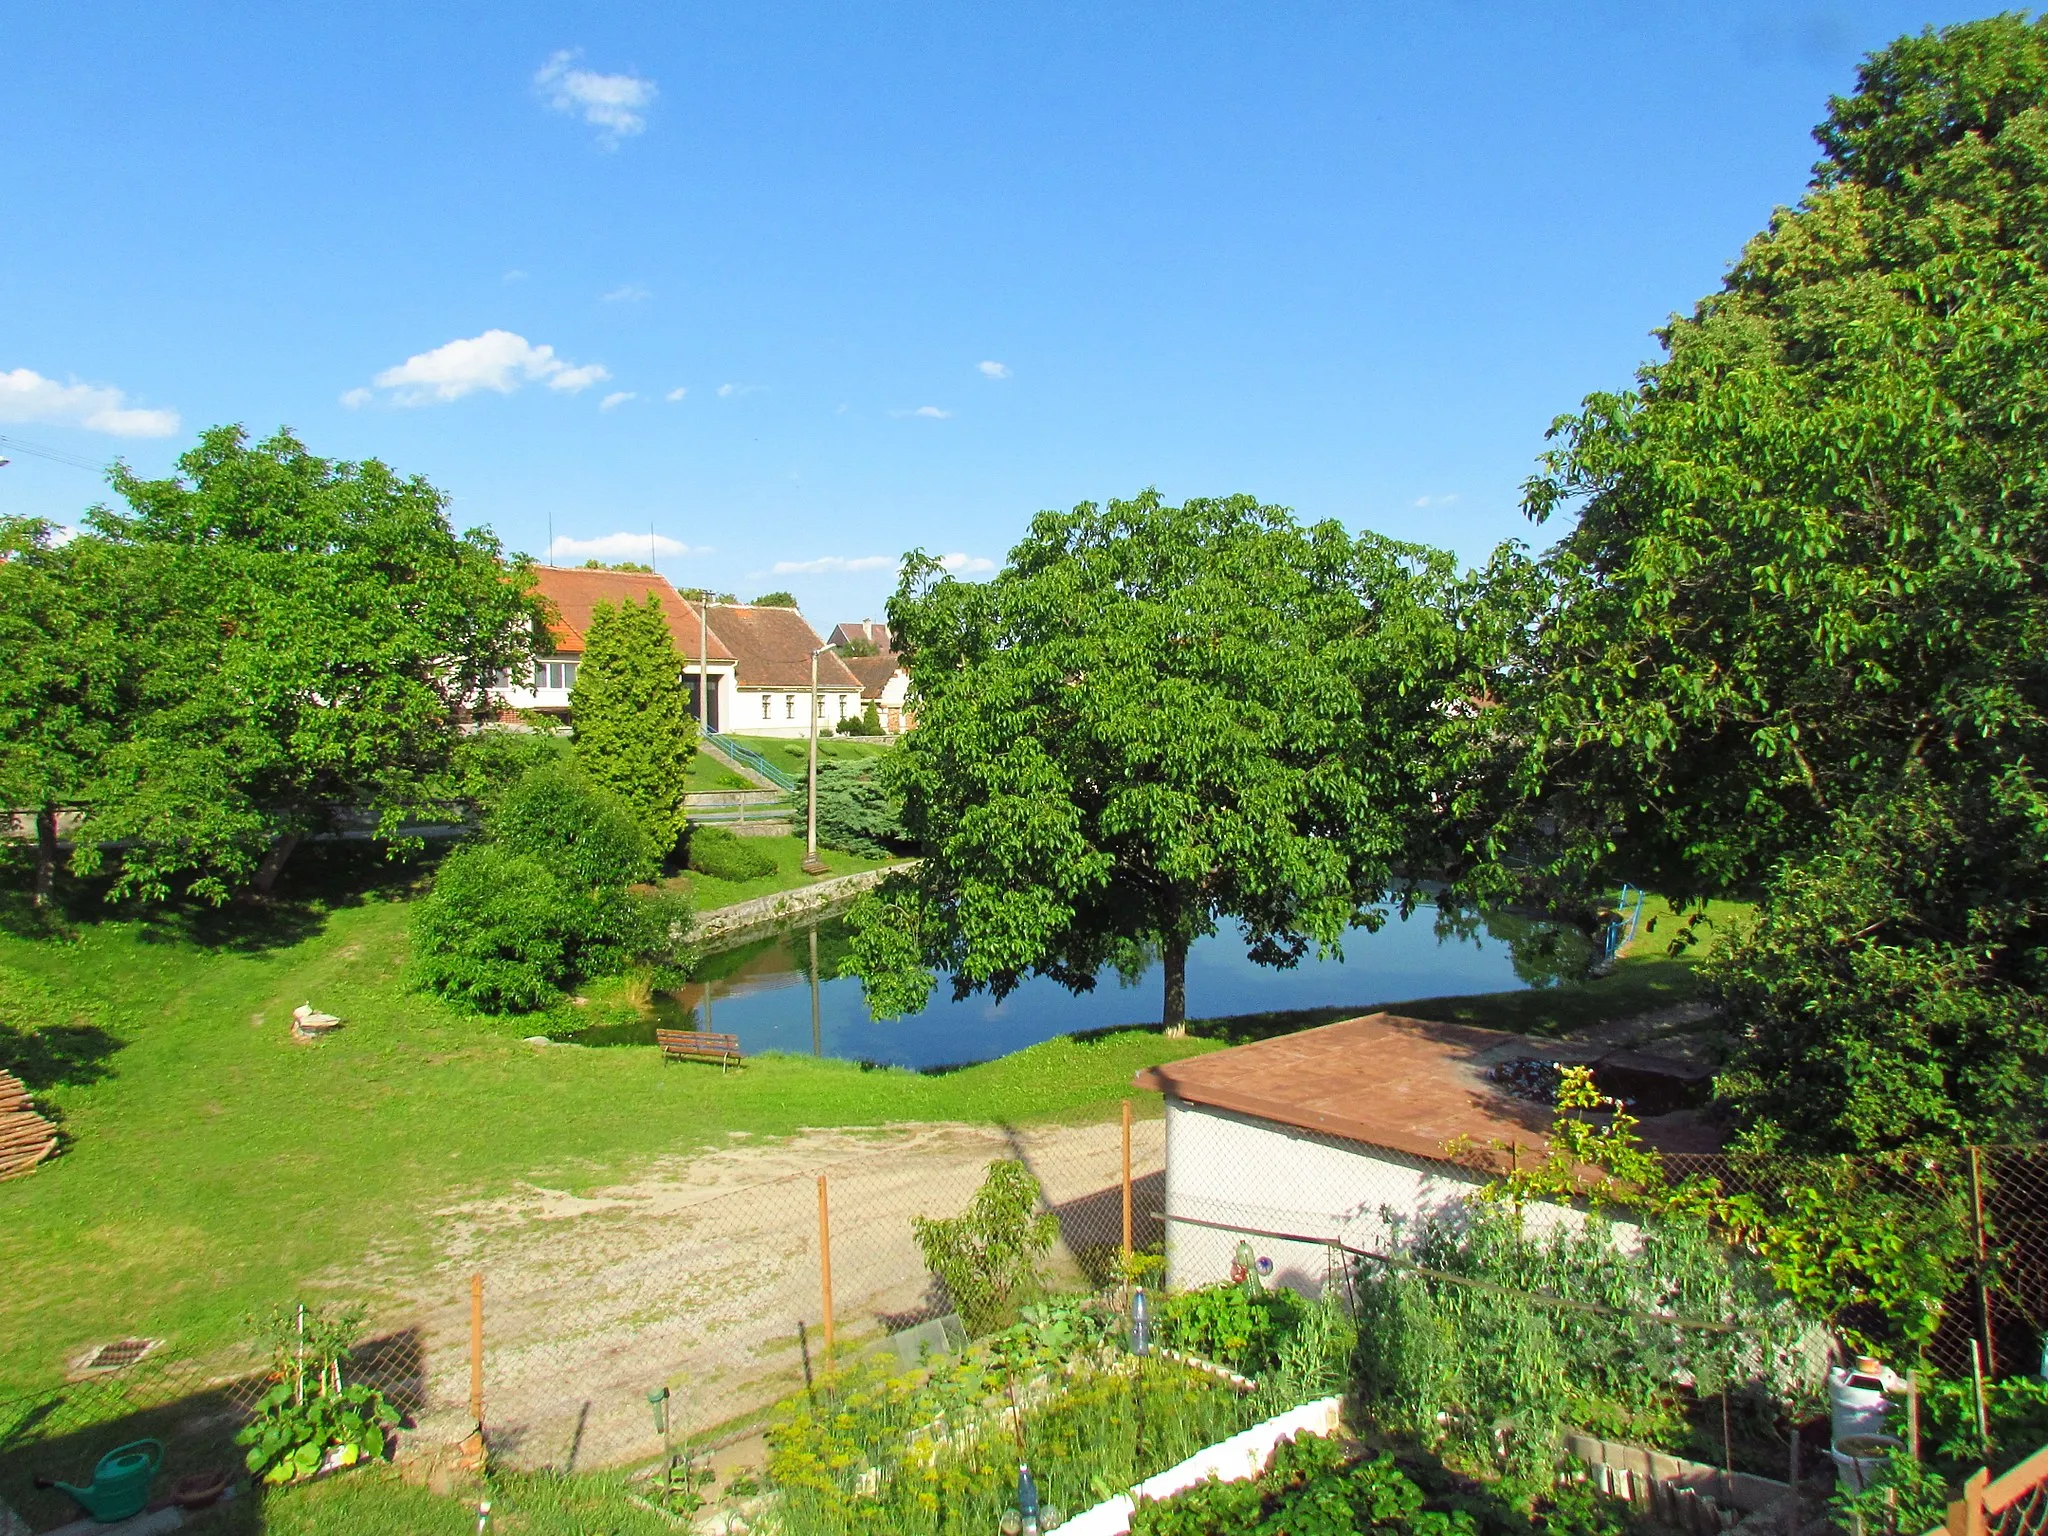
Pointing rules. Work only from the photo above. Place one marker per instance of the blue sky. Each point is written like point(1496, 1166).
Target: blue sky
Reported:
point(802, 287)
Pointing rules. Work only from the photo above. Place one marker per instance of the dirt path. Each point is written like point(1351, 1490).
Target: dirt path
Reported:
point(702, 1274)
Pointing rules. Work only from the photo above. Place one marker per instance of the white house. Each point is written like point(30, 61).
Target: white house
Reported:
point(883, 682)
point(1341, 1138)
point(753, 664)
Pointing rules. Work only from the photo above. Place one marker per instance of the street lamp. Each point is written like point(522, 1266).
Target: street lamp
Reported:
point(813, 865)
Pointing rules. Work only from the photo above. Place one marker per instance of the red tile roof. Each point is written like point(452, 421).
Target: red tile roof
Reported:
point(874, 672)
point(1408, 1084)
point(575, 593)
point(774, 647)
point(875, 633)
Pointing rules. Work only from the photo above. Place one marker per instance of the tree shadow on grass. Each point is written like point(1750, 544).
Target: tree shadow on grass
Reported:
point(321, 879)
point(57, 1056)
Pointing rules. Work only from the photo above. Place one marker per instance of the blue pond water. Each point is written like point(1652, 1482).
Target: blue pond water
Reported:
point(763, 991)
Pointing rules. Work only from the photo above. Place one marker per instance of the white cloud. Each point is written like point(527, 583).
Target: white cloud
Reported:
point(967, 565)
point(992, 369)
point(676, 394)
point(1435, 501)
point(26, 395)
point(827, 564)
point(616, 398)
point(620, 546)
point(928, 412)
point(628, 293)
point(516, 275)
point(727, 391)
point(499, 360)
point(612, 104)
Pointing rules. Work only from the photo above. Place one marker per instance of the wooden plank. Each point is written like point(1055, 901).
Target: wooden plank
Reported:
point(2013, 1485)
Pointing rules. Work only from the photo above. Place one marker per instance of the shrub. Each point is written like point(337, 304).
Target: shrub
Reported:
point(857, 811)
point(494, 933)
point(987, 1256)
point(867, 723)
point(1240, 1325)
point(724, 855)
point(487, 764)
point(584, 833)
point(1490, 1373)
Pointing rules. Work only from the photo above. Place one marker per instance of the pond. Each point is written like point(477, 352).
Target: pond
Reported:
point(763, 991)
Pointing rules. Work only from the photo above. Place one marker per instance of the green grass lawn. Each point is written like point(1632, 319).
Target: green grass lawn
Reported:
point(216, 1167)
point(707, 893)
point(792, 756)
point(707, 774)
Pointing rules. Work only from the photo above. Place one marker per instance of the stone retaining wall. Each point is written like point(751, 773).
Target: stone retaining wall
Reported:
point(784, 906)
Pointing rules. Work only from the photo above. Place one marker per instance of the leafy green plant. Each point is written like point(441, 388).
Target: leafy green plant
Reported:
point(1904, 1498)
point(308, 1410)
point(725, 855)
point(1310, 1488)
point(290, 1438)
point(2015, 1412)
point(1238, 1325)
point(857, 810)
point(987, 1256)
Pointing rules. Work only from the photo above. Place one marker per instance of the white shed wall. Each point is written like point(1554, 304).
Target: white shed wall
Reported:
point(1246, 1172)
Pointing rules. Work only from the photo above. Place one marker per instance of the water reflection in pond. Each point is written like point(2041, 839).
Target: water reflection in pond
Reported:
point(764, 992)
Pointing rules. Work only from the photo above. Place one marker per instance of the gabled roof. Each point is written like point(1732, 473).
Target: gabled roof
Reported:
point(874, 672)
point(774, 648)
point(874, 634)
point(576, 593)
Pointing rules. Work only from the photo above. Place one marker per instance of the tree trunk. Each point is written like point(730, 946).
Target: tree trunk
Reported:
point(1175, 953)
point(46, 854)
point(273, 864)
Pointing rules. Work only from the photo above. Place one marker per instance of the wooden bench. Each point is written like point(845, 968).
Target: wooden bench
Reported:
point(698, 1045)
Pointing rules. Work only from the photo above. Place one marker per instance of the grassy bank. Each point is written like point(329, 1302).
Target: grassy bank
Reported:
point(707, 892)
point(216, 1166)
point(792, 754)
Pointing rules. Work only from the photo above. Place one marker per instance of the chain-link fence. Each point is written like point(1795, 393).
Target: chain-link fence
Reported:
point(709, 1280)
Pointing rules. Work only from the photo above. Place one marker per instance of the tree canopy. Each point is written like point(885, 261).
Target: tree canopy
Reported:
point(1153, 719)
point(776, 600)
point(1798, 644)
point(634, 732)
point(299, 639)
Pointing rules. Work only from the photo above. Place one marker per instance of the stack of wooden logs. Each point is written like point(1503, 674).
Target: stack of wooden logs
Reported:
point(26, 1138)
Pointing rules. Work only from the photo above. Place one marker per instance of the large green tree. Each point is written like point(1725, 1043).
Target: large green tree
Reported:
point(1155, 719)
point(1805, 590)
point(316, 635)
point(634, 732)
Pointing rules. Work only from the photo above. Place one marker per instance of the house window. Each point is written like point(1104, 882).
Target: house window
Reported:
point(555, 674)
point(767, 707)
point(789, 706)
point(842, 706)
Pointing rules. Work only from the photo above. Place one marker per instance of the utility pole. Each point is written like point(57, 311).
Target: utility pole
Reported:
point(813, 865)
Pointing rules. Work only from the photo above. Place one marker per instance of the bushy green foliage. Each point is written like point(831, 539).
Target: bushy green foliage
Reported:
point(1311, 1487)
point(725, 855)
point(1241, 1326)
point(634, 731)
point(867, 723)
point(487, 763)
point(582, 831)
point(935, 1452)
point(1489, 1374)
point(2015, 1411)
point(543, 902)
point(776, 600)
point(858, 810)
point(296, 635)
point(987, 1256)
point(1893, 989)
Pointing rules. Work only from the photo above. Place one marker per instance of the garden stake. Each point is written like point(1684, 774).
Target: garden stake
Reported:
point(1727, 1444)
point(1127, 1191)
point(1977, 1383)
point(1913, 1414)
point(1792, 1487)
point(299, 1376)
point(825, 1264)
point(476, 1349)
point(1983, 1285)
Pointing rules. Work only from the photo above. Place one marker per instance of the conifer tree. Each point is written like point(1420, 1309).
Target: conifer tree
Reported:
point(634, 731)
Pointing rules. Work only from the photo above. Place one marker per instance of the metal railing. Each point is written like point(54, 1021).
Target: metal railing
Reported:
point(748, 758)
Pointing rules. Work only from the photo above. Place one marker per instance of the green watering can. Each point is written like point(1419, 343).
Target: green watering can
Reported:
point(120, 1481)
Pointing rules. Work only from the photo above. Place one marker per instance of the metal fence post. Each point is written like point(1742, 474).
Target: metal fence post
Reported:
point(1983, 1266)
point(1127, 1188)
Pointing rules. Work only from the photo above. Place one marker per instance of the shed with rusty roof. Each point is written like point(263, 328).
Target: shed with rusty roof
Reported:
point(1342, 1138)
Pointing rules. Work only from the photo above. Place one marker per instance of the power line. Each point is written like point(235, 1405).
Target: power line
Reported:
point(18, 446)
